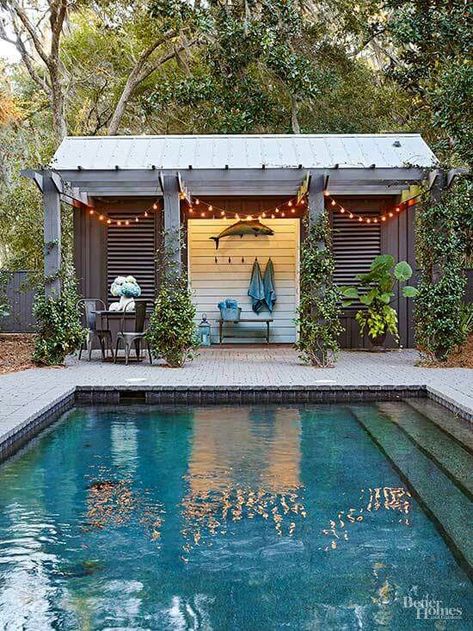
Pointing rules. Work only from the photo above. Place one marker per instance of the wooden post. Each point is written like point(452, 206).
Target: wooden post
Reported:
point(52, 234)
point(172, 216)
point(316, 201)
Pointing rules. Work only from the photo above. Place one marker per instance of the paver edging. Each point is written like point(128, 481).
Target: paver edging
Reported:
point(13, 440)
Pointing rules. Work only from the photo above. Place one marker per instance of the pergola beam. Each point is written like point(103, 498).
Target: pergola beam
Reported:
point(234, 178)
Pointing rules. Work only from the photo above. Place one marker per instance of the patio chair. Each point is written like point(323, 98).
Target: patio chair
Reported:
point(135, 337)
point(89, 308)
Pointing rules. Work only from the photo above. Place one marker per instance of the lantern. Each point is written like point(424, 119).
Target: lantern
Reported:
point(204, 331)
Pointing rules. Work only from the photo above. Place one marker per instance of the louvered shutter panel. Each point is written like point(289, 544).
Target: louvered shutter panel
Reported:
point(354, 247)
point(131, 250)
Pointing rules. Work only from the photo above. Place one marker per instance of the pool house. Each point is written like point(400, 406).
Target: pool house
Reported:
point(129, 192)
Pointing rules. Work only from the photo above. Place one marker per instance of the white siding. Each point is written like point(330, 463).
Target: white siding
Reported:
point(211, 282)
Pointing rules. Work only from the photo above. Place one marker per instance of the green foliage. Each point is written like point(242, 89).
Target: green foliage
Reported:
point(466, 319)
point(4, 305)
point(434, 49)
point(441, 254)
point(171, 332)
point(319, 311)
point(376, 291)
point(271, 66)
point(60, 330)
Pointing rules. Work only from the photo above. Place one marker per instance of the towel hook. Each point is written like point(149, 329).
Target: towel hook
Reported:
point(229, 259)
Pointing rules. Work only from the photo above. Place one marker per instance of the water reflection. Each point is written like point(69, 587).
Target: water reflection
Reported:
point(244, 464)
point(379, 498)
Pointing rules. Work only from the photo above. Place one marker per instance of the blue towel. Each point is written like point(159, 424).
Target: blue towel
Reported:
point(268, 283)
point(256, 289)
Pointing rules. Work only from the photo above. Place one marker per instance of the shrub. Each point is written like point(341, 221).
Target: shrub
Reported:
point(60, 330)
point(171, 333)
point(319, 308)
point(4, 305)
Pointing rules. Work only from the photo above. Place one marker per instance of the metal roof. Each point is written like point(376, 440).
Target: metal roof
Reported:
point(243, 151)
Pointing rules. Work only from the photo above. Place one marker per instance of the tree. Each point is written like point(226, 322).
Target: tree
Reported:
point(432, 61)
point(37, 36)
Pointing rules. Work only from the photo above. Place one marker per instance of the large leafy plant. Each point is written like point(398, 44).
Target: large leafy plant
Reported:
point(375, 291)
point(171, 333)
point(60, 330)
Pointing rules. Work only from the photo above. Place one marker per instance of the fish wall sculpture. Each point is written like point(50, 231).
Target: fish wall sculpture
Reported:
point(240, 228)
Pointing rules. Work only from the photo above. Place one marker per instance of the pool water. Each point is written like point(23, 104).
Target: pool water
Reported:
point(220, 518)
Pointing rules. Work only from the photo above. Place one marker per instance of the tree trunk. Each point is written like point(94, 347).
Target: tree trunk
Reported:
point(58, 108)
point(294, 120)
point(132, 82)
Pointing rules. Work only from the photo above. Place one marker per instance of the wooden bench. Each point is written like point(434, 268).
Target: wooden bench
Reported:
point(266, 321)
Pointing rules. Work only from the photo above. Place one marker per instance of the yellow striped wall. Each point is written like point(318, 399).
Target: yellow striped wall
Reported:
point(229, 277)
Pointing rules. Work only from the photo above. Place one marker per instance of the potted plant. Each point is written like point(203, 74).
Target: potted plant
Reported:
point(375, 290)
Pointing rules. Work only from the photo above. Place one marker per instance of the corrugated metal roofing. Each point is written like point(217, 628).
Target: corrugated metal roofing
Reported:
point(243, 151)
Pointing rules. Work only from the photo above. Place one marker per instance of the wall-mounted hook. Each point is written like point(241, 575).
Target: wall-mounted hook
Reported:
point(229, 259)
point(216, 260)
point(242, 259)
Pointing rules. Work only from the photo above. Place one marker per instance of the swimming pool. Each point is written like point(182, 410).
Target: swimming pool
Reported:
point(271, 517)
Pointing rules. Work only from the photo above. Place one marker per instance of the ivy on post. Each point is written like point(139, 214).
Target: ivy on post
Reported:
point(171, 333)
point(319, 307)
point(441, 251)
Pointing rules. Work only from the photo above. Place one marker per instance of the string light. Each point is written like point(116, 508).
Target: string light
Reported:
point(270, 212)
point(363, 219)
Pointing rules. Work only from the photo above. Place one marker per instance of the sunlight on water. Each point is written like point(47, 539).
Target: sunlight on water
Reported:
point(216, 518)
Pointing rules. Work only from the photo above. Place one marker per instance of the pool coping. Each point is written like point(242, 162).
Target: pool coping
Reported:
point(21, 434)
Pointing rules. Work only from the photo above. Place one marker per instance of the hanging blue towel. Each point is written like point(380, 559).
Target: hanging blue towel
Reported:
point(268, 283)
point(256, 288)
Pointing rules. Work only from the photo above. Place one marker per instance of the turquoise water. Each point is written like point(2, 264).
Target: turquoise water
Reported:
point(217, 518)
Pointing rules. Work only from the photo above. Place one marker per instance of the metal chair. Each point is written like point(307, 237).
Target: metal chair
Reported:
point(88, 307)
point(130, 338)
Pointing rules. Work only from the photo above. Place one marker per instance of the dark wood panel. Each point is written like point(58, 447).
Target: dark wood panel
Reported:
point(131, 250)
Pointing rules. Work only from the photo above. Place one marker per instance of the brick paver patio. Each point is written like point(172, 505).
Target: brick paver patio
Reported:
point(24, 395)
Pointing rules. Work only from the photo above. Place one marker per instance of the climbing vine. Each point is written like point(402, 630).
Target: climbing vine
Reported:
point(319, 308)
point(171, 333)
point(60, 331)
point(444, 230)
